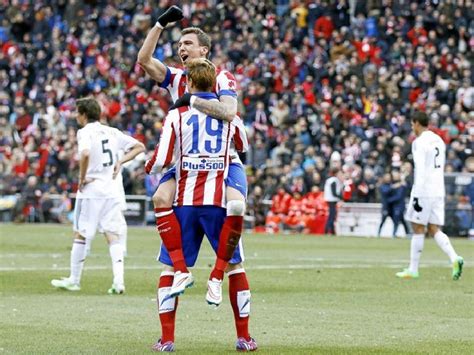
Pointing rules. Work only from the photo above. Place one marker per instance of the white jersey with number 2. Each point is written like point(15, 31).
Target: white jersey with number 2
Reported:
point(429, 154)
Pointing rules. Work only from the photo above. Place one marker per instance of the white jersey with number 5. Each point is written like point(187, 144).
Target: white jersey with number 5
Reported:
point(429, 154)
point(104, 144)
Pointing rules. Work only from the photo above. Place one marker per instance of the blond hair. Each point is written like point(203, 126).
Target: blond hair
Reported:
point(202, 73)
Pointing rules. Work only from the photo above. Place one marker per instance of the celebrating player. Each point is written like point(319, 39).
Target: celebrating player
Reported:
point(98, 200)
point(426, 207)
point(194, 43)
point(202, 164)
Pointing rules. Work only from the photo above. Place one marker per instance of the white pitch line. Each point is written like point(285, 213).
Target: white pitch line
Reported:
point(253, 267)
point(247, 257)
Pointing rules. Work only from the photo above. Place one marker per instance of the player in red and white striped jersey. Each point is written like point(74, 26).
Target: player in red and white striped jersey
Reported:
point(194, 43)
point(202, 147)
point(200, 144)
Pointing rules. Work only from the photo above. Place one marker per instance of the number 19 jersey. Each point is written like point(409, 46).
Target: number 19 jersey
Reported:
point(429, 153)
point(201, 146)
point(104, 144)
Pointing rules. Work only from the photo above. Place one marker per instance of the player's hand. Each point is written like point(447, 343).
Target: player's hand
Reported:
point(173, 14)
point(117, 168)
point(184, 100)
point(84, 182)
point(416, 205)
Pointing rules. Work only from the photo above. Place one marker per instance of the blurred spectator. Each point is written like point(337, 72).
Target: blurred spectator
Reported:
point(28, 207)
point(384, 192)
point(332, 195)
point(396, 202)
point(341, 77)
point(278, 210)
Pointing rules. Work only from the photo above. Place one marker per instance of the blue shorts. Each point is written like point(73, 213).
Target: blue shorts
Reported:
point(236, 177)
point(170, 174)
point(196, 221)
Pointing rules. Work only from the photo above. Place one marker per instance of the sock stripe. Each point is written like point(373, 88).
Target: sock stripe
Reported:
point(162, 214)
point(167, 273)
point(236, 271)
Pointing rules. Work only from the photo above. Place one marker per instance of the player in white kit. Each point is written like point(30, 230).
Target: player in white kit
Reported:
point(98, 201)
point(426, 207)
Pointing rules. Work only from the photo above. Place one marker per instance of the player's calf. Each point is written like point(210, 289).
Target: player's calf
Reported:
point(229, 237)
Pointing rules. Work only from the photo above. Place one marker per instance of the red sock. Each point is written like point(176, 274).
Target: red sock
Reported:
point(170, 232)
point(228, 241)
point(239, 294)
point(167, 319)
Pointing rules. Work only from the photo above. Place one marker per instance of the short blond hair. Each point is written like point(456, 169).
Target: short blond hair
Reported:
point(202, 73)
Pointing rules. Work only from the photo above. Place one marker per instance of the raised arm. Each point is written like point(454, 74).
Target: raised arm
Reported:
point(152, 66)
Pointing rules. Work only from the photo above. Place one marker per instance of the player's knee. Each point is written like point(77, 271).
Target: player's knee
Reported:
point(161, 201)
point(234, 267)
point(235, 208)
point(78, 236)
point(112, 238)
point(432, 229)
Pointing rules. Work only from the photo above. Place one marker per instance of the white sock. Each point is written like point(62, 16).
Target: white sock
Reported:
point(417, 243)
point(445, 245)
point(78, 256)
point(116, 254)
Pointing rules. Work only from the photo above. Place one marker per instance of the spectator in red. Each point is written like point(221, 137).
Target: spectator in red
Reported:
point(296, 218)
point(323, 27)
point(417, 35)
point(278, 211)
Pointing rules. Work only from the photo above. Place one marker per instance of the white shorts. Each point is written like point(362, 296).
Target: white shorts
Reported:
point(91, 214)
point(432, 211)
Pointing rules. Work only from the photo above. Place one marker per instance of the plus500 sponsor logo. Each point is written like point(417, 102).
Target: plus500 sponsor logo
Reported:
point(203, 164)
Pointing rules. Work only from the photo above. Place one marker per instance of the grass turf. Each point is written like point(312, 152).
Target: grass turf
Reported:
point(310, 295)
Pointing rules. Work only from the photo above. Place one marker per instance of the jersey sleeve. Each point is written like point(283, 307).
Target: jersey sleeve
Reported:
point(172, 81)
point(83, 141)
point(241, 142)
point(125, 142)
point(226, 84)
point(419, 156)
point(167, 142)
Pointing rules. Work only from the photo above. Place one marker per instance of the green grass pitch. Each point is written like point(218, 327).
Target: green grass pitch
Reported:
point(310, 295)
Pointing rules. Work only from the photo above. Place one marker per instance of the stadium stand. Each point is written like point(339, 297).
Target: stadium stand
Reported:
point(321, 83)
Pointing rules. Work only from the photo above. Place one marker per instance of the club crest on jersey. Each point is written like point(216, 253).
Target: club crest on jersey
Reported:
point(202, 163)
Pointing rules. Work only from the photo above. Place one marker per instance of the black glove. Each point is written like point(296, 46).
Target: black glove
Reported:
point(174, 13)
point(416, 205)
point(184, 100)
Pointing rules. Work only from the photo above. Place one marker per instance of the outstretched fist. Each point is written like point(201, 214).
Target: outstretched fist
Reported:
point(173, 14)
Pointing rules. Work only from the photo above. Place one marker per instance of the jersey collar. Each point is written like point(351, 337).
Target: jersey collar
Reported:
point(206, 95)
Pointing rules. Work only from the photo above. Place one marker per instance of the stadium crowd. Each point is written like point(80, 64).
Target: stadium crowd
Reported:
point(322, 84)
